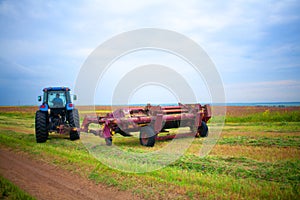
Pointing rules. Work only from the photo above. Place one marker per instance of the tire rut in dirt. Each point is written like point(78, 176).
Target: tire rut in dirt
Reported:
point(44, 181)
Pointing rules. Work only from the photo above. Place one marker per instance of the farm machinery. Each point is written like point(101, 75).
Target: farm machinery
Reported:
point(150, 121)
point(56, 114)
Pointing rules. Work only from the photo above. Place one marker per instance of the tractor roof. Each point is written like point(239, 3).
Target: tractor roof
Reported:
point(56, 89)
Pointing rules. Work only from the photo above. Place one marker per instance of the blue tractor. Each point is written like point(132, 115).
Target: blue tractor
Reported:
point(56, 114)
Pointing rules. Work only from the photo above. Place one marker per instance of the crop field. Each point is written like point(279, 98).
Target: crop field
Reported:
point(256, 157)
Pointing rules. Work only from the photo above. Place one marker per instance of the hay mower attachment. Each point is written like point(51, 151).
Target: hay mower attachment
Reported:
point(150, 121)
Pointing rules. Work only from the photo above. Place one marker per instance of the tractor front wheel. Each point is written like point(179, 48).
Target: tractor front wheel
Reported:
point(147, 136)
point(41, 130)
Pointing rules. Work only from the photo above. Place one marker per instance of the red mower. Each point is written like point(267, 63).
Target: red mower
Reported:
point(150, 121)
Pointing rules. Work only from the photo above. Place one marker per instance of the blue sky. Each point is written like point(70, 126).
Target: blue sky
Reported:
point(255, 44)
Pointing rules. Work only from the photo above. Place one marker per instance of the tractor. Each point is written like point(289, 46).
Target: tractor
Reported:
point(56, 114)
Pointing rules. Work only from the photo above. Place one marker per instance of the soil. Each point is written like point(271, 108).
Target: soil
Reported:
point(44, 181)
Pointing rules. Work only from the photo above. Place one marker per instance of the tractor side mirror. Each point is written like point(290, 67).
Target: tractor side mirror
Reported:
point(39, 98)
point(74, 97)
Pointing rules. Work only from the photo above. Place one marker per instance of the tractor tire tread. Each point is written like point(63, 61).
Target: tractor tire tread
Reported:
point(41, 130)
point(74, 121)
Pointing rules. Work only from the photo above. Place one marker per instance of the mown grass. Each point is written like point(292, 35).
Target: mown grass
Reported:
point(10, 191)
point(249, 162)
point(282, 141)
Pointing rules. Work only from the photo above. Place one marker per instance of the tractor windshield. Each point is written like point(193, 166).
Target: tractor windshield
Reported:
point(57, 99)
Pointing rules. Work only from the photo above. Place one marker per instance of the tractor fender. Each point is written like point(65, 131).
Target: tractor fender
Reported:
point(70, 106)
point(44, 107)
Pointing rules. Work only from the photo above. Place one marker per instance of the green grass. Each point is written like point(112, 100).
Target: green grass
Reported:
point(10, 191)
point(281, 127)
point(189, 177)
point(240, 168)
point(190, 173)
point(17, 115)
point(266, 116)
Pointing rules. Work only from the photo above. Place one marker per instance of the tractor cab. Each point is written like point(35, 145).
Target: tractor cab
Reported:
point(56, 97)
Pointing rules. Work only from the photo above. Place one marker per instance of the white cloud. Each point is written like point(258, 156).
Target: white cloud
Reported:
point(238, 35)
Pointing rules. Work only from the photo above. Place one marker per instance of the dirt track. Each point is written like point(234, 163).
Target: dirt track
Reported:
point(44, 181)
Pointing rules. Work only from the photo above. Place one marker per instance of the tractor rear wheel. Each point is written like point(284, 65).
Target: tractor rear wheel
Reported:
point(147, 136)
point(203, 130)
point(74, 123)
point(41, 131)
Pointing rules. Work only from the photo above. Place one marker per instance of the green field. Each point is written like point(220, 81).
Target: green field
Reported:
point(10, 191)
point(256, 157)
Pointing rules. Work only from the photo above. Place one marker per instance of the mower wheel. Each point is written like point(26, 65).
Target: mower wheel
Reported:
point(41, 131)
point(203, 130)
point(123, 133)
point(147, 136)
point(108, 141)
